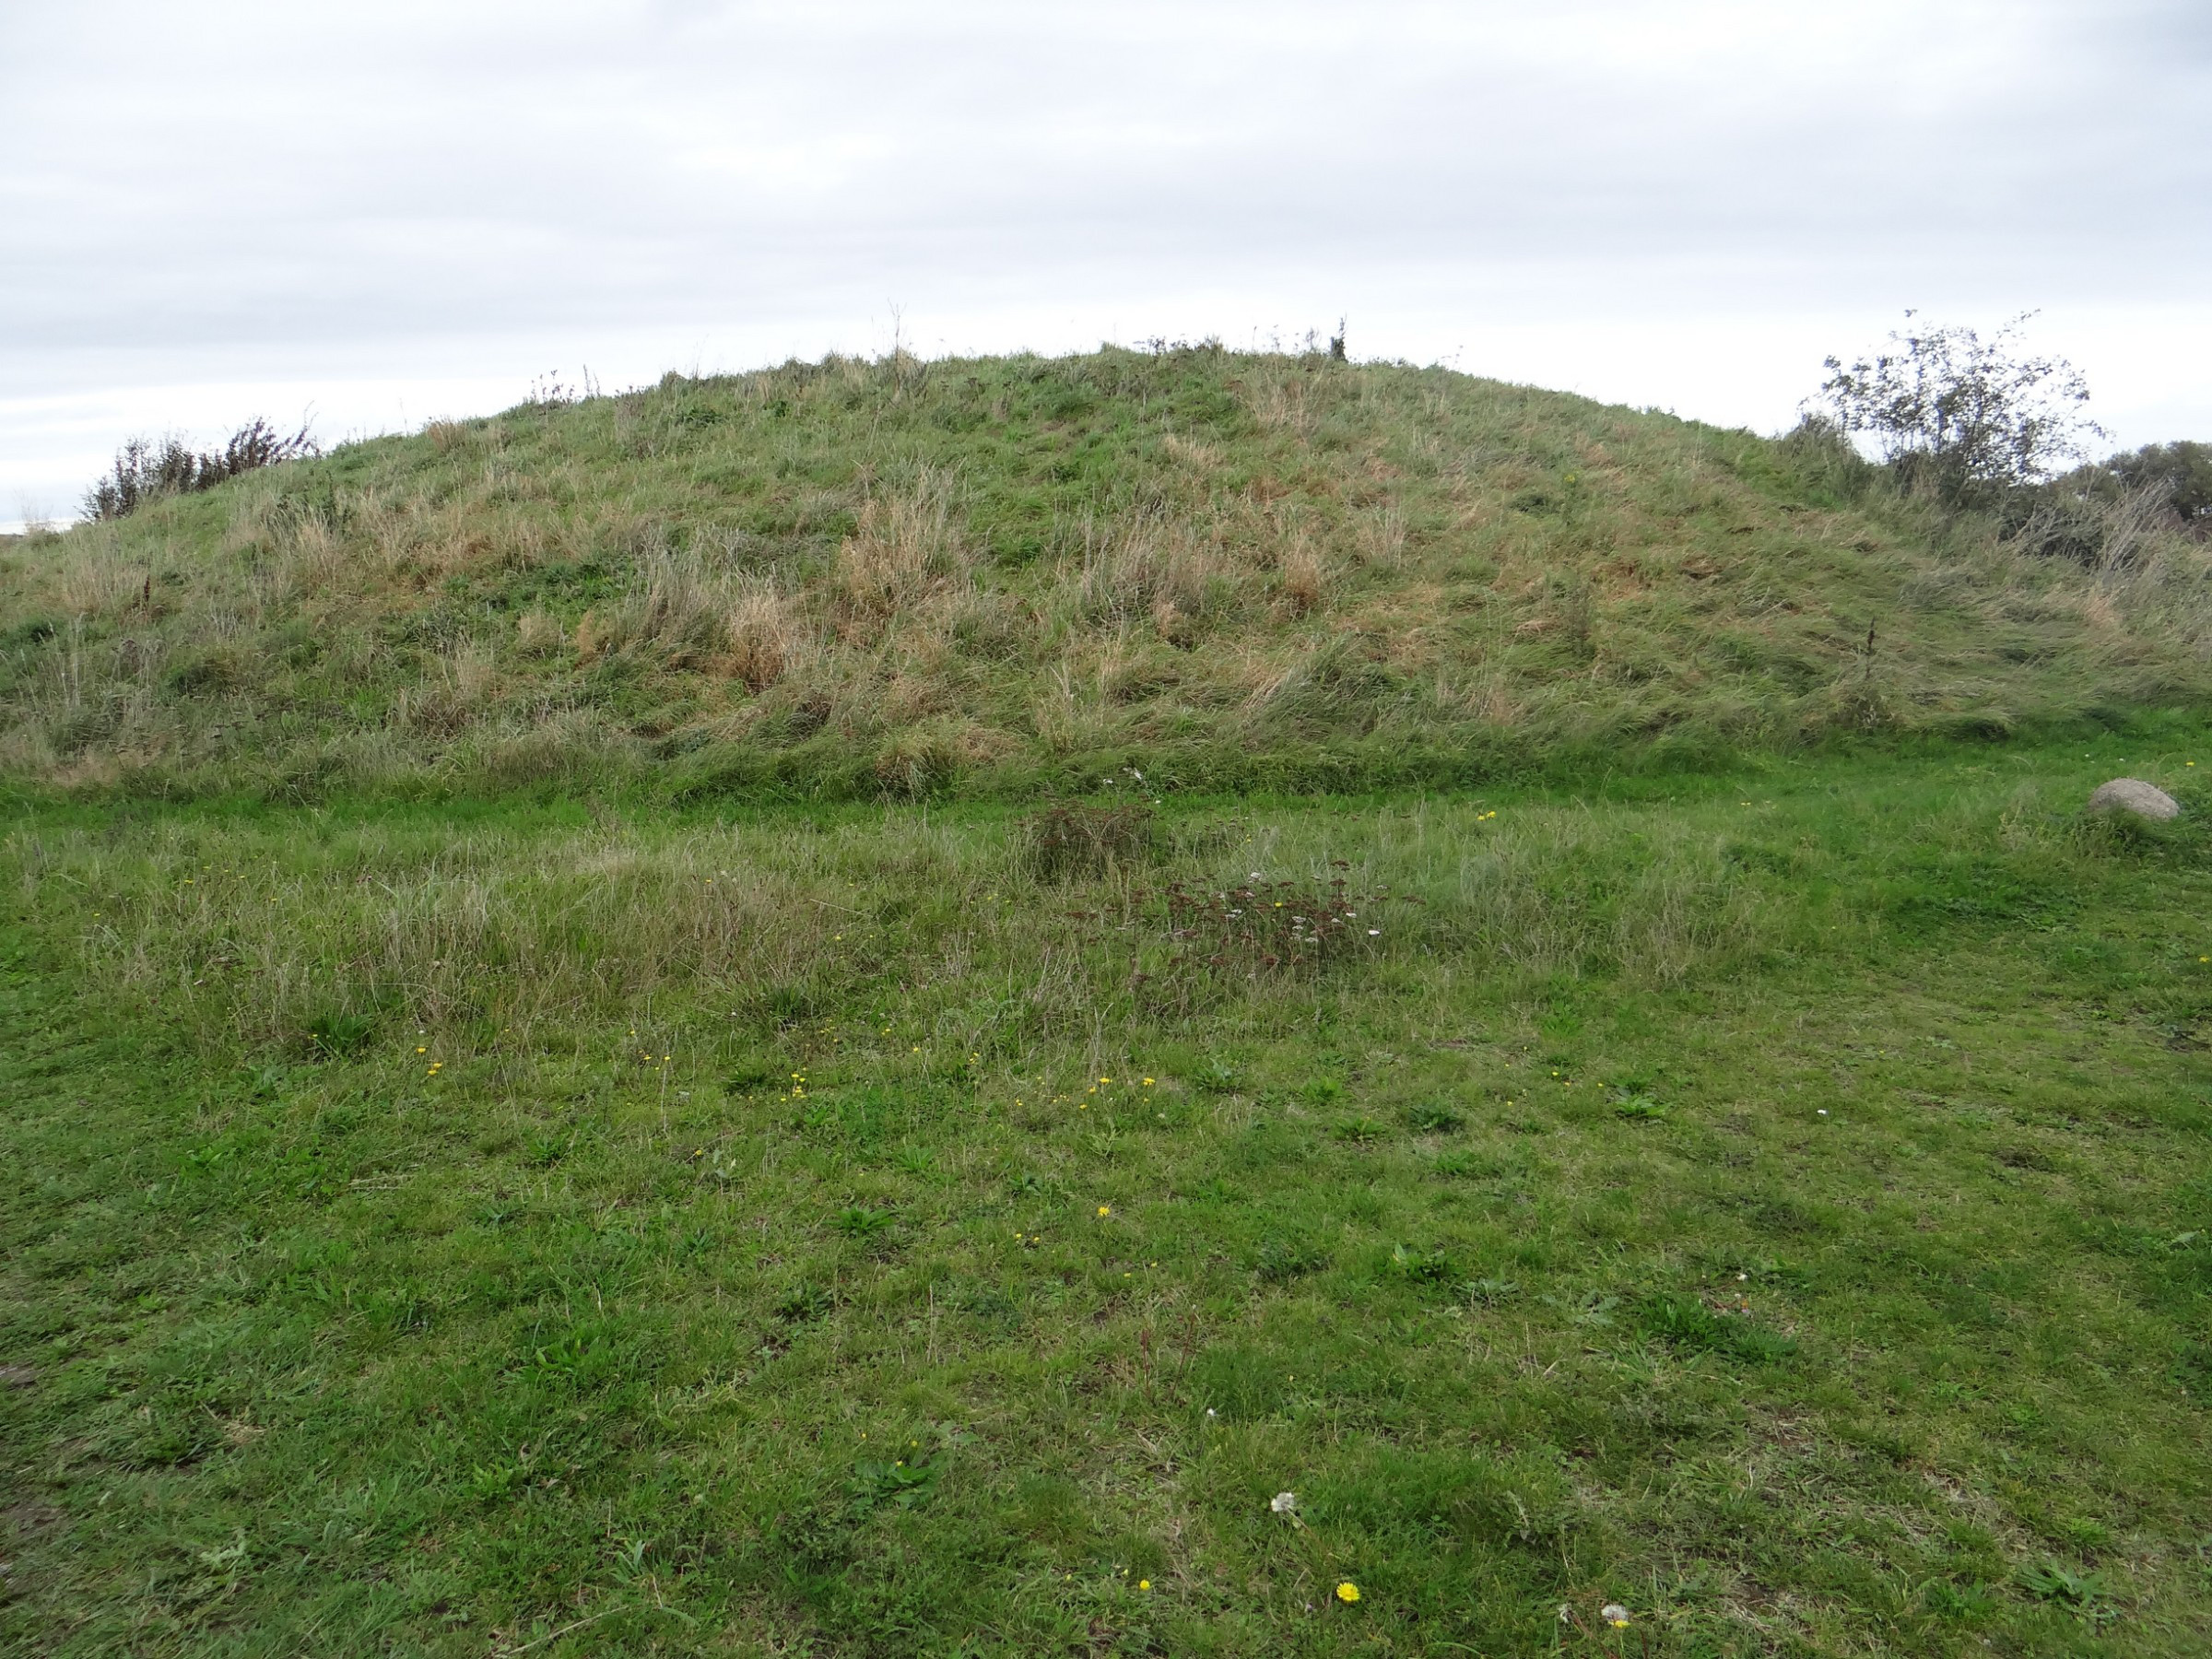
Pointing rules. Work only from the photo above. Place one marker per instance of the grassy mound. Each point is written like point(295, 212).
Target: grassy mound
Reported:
point(992, 576)
point(599, 1206)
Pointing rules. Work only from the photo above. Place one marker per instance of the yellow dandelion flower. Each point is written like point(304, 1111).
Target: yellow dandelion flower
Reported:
point(1144, 1584)
point(1105, 1209)
point(1347, 1591)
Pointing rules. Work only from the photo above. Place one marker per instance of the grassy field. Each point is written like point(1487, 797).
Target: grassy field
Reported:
point(1008, 577)
point(1778, 1203)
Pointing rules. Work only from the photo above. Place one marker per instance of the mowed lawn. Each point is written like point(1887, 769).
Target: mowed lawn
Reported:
point(1779, 1207)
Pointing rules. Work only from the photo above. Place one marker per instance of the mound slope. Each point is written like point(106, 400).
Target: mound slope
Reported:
point(990, 575)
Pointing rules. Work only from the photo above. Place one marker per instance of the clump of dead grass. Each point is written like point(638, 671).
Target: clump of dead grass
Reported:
point(1160, 570)
point(1305, 583)
point(538, 633)
point(765, 634)
point(906, 550)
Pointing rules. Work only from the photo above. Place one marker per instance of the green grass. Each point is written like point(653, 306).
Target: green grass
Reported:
point(1003, 577)
point(1779, 1202)
point(853, 1009)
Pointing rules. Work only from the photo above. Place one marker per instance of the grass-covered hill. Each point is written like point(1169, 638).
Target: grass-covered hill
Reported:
point(597, 1206)
point(854, 578)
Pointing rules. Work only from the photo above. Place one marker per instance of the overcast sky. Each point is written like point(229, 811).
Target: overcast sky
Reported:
point(387, 211)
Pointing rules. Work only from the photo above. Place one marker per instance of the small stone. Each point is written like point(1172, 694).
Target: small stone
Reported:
point(2132, 795)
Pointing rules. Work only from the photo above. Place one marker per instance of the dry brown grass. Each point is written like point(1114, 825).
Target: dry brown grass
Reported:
point(679, 602)
point(593, 638)
point(538, 633)
point(1282, 402)
point(459, 681)
point(1159, 563)
point(1305, 583)
point(1266, 679)
point(1200, 458)
point(765, 634)
point(96, 575)
point(1382, 536)
point(907, 549)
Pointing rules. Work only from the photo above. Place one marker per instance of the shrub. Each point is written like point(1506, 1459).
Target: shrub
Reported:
point(2180, 475)
point(1961, 417)
point(144, 472)
point(2090, 517)
point(1826, 464)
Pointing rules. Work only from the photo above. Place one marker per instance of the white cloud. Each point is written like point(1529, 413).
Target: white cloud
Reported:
point(1670, 201)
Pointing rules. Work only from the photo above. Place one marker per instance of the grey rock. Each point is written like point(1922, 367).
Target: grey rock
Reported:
point(2132, 795)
